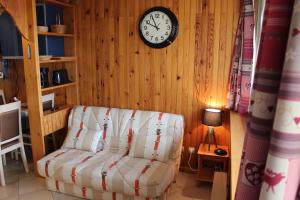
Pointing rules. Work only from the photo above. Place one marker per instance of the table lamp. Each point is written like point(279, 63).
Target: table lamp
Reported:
point(213, 118)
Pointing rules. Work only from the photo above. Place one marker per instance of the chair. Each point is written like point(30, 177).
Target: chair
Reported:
point(11, 137)
point(2, 101)
point(2, 97)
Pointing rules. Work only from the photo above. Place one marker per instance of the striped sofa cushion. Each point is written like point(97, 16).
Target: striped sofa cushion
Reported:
point(155, 135)
point(84, 131)
point(108, 172)
point(114, 124)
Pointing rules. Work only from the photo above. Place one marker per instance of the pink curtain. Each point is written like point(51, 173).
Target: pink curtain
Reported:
point(242, 63)
point(270, 166)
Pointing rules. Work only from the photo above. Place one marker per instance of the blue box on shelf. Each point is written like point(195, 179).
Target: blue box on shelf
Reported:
point(47, 16)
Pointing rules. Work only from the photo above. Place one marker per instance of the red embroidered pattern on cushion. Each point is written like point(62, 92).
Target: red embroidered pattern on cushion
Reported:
point(105, 123)
point(73, 173)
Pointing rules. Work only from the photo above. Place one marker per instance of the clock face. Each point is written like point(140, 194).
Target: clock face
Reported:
point(158, 27)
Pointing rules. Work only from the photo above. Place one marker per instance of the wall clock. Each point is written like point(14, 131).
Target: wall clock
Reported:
point(158, 27)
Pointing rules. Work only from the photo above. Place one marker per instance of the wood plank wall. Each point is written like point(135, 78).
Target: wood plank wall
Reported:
point(117, 69)
point(14, 85)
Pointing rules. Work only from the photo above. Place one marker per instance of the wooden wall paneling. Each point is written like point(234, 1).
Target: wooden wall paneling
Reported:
point(183, 68)
point(93, 60)
point(201, 66)
point(114, 49)
point(227, 47)
point(85, 61)
point(142, 69)
point(14, 86)
point(222, 53)
point(184, 78)
point(99, 51)
point(196, 127)
point(216, 14)
point(136, 68)
point(113, 68)
point(20, 80)
point(191, 87)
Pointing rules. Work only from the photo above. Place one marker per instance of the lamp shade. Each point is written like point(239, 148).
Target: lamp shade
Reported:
point(212, 117)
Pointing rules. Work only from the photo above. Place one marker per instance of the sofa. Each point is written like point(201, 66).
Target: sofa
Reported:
point(116, 154)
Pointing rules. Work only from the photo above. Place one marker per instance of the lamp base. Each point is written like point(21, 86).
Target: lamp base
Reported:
point(210, 133)
point(220, 152)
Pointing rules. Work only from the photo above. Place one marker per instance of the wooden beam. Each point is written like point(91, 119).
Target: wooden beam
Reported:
point(32, 80)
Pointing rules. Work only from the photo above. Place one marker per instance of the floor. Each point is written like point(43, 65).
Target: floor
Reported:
point(22, 186)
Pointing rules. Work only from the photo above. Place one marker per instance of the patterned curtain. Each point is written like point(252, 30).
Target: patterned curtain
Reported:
point(270, 166)
point(242, 63)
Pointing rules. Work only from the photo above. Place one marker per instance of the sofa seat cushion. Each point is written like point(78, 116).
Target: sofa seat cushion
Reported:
point(139, 177)
point(108, 172)
point(127, 175)
point(74, 166)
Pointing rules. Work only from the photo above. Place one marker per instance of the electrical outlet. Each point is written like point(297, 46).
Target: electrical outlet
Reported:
point(1, 75)
point(191, 150)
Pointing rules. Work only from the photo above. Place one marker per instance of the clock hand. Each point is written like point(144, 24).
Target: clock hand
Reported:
point(151, 16)
point(151, 25)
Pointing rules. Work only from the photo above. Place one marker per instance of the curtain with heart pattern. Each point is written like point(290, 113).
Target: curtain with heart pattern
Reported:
point(270, 166)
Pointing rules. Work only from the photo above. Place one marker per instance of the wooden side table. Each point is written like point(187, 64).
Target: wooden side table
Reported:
point(209, 162)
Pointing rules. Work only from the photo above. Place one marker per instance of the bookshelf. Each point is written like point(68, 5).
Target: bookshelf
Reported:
point(66, 94)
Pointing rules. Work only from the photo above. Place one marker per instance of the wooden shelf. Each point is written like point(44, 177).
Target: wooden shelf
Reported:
point(56, 34)
point(59, 3)
point(58, 60)
point(59, 86)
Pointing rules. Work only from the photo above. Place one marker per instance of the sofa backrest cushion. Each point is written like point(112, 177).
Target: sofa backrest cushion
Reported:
point(124, 129)
point(85, 132)
point(155, 135)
